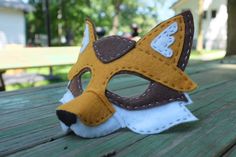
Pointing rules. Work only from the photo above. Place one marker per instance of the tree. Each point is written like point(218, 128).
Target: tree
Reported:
point(231, 34)
point(64, 20)
point(115, 25)
point(200, 33)
point(68, 18)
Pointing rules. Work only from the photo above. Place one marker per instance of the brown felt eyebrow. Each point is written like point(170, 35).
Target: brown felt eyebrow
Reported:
point(75, 85)
point(110, 48)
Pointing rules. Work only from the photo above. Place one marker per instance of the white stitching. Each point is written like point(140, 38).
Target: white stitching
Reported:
point(189, 44)
point(164, 126)
point(117, 54)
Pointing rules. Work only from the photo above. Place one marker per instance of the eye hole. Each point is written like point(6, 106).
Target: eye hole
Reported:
point(85, 79)
point(80, 82)
point(127, 85)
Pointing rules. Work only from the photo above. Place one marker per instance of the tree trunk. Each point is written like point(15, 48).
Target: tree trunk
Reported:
point(231, 33)
point(200, 33)
point(115, 24)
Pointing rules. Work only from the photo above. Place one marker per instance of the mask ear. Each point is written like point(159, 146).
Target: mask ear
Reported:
point(171, 40)
point(87, 42)
point(89, 34)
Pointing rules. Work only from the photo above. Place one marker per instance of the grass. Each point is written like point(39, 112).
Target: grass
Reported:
point(61, 71)
point(207, 55)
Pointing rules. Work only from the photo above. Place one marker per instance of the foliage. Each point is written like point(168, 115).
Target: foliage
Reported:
point(67, 18)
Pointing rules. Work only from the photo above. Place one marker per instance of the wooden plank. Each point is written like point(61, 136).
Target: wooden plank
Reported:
point(18, 124)
point(203, 66)
point(209, 137)
point(21, 97)
point(31, 90)
point(231, 152)
point(202, 130)
point(119, 145)
point(13, 58)
point(48, 98)
point(39, 103)
point(15, 102)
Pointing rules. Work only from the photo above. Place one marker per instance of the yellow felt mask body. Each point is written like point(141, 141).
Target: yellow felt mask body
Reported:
point(92, 107)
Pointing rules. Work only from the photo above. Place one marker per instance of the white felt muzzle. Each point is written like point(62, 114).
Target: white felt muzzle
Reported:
point(148, 121)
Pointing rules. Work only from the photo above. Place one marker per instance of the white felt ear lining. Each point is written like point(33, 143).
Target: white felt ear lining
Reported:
point(162, 42)
point(86, 39)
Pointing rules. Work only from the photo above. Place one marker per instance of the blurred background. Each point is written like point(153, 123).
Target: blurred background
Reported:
point(40, 39)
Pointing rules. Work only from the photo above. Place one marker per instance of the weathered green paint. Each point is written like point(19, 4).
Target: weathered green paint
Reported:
point(29, 127)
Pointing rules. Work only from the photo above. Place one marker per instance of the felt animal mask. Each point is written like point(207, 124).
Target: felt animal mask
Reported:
point(160, 57)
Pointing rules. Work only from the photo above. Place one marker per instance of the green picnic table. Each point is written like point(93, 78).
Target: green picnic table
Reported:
point(29, 127)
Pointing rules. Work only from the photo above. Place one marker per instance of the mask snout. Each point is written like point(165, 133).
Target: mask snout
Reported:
point(90, 108)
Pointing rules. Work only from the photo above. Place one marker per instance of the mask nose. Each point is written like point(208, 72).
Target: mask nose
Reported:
point(91, 108)
point(66, 117)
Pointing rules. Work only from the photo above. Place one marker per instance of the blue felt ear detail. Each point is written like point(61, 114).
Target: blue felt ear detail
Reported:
point(162, 42)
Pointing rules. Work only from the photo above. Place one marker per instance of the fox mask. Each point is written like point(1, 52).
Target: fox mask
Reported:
point(160, 57)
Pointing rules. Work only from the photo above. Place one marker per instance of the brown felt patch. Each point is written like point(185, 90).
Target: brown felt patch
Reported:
point(155, 95)
point(111, 48)
point(188, 39)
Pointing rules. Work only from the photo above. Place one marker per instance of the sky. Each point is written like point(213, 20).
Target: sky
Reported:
point(164, 11)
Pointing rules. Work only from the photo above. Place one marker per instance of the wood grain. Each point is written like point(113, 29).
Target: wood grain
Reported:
point(29, 127)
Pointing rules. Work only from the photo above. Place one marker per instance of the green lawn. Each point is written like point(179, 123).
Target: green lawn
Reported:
point(207, 55)
point(61, 71)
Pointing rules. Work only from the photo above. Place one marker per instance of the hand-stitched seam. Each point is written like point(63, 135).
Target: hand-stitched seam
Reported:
point(101, 100)
point(164, 126)
point(180, 37)
point(77, 78)
point(150, 75)
point(115, 55)
point(189, 25)
point(97, 121)
point(153, 104)
point(180, 30)
point(133, 106)
point(157, 78)
point(162, 25)
point(161, 43)
point(90, 29)
point(103, 117)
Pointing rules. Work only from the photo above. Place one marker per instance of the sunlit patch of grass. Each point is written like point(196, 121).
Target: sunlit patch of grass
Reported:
point(59, 73)
point(206, 55)
point(18, 86)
